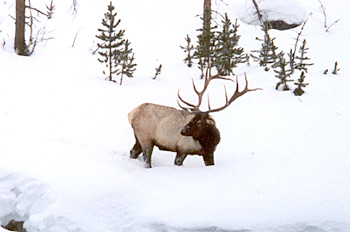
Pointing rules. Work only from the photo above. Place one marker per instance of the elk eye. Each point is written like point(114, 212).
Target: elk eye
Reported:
point(199, 123)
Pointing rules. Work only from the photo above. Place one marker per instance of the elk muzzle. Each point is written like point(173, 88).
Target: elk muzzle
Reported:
point(186, 131)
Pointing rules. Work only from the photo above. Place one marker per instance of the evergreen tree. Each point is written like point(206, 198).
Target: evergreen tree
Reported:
point(227, 54)
point(302, 58)
point(282, 73)
point(299, 91)
point(267, 54)
point(204, 49)
point(125, 58)
point(110, 42)
point(188, 49)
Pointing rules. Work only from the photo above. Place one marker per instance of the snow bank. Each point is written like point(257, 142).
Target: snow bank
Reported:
point(20, 197)
point(272, 10)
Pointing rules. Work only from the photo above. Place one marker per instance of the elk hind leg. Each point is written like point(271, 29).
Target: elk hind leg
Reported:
point(179, 159)
point(147, 153)
point(136, 150)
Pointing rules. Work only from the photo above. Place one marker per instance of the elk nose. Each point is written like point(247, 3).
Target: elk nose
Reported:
point(184, 131)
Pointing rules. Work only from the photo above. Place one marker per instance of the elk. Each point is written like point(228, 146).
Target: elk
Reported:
point(189, 131)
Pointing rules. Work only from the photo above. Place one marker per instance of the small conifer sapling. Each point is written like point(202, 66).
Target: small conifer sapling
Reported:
point(302, 58)
point(188, 49)
point(282, 73)
point(110, 42)
point(267, 54)
point(300, 84)
point(125, 59)
point(50, 10)
point(158, 70)
point(336, 69)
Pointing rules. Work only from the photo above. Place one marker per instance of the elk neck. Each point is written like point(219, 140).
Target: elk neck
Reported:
point(209, 138)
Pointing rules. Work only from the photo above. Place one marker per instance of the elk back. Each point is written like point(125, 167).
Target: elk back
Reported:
point(161, 126)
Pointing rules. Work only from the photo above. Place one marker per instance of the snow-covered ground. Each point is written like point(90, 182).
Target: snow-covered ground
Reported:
point(282, 164)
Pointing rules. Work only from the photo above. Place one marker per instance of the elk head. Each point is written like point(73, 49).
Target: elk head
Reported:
point(197, 125)
point(202, 127)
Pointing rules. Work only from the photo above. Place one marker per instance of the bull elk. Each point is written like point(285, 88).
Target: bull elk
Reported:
point(189, 131)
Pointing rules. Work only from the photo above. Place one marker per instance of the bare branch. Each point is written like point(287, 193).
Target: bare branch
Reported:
point(37, 10)
point(297, 41)
point(324, 13)
point(12, 17)
point(336, 21)
point(260, 16)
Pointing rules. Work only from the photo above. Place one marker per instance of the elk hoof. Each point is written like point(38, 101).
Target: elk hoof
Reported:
point(178, 162)
point(147, 165)
point(208, 160)
point(134, 154)
point(179, 159)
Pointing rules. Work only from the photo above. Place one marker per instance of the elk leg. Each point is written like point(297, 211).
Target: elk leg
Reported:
point(208, 159)
point(179, 159)
point(147, 153)
point(136, 150)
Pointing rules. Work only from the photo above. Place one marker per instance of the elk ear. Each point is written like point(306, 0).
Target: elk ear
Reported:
point(209, 120)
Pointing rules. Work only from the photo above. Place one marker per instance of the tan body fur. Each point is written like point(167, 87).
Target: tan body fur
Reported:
point(161, 126)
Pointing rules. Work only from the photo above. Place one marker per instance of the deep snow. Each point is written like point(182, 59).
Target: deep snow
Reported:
point(282, 165)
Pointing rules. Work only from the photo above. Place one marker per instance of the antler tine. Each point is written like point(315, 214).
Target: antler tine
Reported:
point(226, 94)
point(209, 103)
point(235, 95)
point(185, 102)
point(195, 108)
point(194, 87)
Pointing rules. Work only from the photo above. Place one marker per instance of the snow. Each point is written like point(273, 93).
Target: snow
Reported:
point(282, 164)
point(290, 11)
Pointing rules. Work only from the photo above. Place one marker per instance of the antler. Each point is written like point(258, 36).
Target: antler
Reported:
point(195, 108)
point(208, 78)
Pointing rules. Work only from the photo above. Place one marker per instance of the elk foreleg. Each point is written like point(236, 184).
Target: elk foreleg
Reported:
point(147, 153)
point(208, 159)
point(179, 159)
point(136, 150)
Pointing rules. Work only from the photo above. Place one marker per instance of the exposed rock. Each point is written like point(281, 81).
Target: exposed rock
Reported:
point(282, 25)
point(282, 15)
point(15, 226)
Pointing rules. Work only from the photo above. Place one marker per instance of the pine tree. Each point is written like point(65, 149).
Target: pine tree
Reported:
point(204, 49)
point(125, 58)
point(299, 91)
point(267, 54)
point(282, 73)
point(188, 49)
point(227, 54)
point(302, 58)
point(111, 41)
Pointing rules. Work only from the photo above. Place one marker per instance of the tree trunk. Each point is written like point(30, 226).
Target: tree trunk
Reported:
point(206, 27)
point(207, 15)
point(20, 46)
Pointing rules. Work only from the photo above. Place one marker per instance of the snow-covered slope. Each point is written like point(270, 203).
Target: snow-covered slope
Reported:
point(282, 164)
